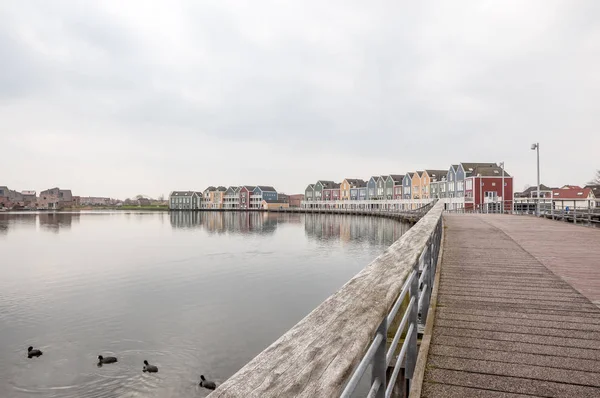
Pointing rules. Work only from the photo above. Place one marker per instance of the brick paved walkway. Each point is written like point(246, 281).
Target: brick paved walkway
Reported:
point(508, 326)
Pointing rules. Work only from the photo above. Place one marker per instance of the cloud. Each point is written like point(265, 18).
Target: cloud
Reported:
point(188, 94)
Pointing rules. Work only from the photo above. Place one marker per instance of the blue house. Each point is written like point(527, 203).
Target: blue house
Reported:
point(260, 193)
point(451, 181)
point(372, 188)
point(407, 185)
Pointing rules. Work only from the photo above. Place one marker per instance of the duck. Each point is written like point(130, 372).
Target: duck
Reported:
point(102, 360)
point(207, 383)
point(33, 353)
point(149, 368)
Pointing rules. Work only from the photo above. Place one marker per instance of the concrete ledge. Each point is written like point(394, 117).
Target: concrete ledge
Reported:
point(416, 385)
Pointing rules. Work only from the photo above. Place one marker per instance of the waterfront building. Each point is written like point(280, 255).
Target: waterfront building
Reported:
point(407, 185)
point(372, 188)
point(573, 198)
point(181, 200)
point(55, 199)
point(320, 186)
point(245, 193)
point(309, 193)
point(393, 186)
point(231, 198)
point(347, 185)
point(432, 181)
point(483, 187)
point(260, 193)
point(269, 204)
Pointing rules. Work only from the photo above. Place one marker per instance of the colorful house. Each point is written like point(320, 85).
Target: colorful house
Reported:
point(381, 187)
point(372, 188)
point(347, 185)
point(309, 193)
point(430, 183)
point(416, 185)
point(231, 199)
point(182, 200)
point(260, 193)
point(483, 187)
point(393, 186)
point(407, 185)
point(319, 186)
point(245, 193)
point(451, 181)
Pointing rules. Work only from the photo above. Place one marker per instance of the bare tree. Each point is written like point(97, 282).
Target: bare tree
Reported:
point(596, 179)
point(161, 197)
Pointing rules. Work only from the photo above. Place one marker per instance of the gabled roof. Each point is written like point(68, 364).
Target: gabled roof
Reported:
point(248, 187)
point(310, 186)
point(453, 167)
point(493, 171)
point(325, 183)
point(211, 188)
point(570, 187)
point(221, 188)
point(534, 189)
point(572, 193)
point(355, 182)
point(436, 175)
point(595, 189)
point(469, 168)
point(396, 177)
point(266, 188)
point(419, 173)
point(334, 185)
point(182, 193)
point(374, 178)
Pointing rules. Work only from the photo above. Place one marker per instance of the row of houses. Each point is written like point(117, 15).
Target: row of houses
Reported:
point(566, 197)
point(471, 184)
point(50, 199)
point(244, 197)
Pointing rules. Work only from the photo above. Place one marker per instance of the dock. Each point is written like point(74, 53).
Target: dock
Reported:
point(517, 310)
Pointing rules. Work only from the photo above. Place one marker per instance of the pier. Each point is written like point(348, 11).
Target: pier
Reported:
point(514, 312)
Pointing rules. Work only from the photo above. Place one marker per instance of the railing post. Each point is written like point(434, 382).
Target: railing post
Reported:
point(379, 370)
point(411, 354)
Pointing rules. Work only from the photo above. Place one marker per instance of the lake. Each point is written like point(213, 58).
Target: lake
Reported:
point(193, 293)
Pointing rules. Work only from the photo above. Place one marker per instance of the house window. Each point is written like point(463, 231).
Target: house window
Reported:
point(469, 184)
point(493, 184)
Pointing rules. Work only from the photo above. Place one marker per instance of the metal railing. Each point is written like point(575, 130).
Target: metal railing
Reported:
point(417, 290)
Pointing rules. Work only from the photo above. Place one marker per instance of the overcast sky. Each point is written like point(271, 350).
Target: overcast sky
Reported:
point(144, 97)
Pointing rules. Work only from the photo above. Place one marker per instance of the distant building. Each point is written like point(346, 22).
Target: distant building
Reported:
point(260, 193)
point(55, 199)
point(268, 204)
point(95, 201)
point(182, 200)
point(596, 191)
point(531, 192)
point(295, 200)
point(572, 197)
point(143, 202)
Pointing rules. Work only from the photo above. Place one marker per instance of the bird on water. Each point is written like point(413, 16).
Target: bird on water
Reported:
point(33, 353)
point(207, 383)
point(149, 368)
point(102, 360)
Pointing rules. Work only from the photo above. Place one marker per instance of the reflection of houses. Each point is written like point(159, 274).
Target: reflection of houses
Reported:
point(54, 222)
point(55, 199)
point(228, 222)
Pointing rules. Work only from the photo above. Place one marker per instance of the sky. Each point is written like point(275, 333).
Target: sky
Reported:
point(119, 98)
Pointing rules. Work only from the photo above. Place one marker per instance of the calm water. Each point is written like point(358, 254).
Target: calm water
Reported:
point(192, 293)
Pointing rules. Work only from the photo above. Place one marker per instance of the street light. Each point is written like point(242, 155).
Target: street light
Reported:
point(502, 165)
point(536, 147)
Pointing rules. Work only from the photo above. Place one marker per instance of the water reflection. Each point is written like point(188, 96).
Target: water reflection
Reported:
point(228, 222)
point(23, 220)
point(193, 292)
point(318, 227)
point(54, 222)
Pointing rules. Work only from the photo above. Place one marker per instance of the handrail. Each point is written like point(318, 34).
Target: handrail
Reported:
point(323, 354)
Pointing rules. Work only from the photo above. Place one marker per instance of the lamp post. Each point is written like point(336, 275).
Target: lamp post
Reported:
point(536, 147)
point(480, 197)
point(502, 165)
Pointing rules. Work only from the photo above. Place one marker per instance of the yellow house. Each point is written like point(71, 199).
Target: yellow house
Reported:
point(416, 185)
point(274, 204)
point(348, 184)
point(425, 180)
